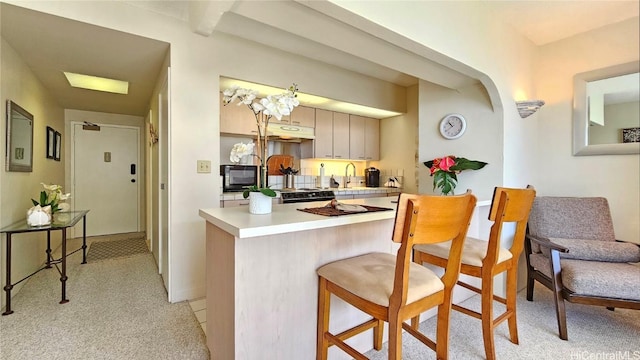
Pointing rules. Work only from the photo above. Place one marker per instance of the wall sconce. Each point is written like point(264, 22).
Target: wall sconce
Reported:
point(528, 107)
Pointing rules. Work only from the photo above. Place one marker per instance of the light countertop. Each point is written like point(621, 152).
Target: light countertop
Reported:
point(285, 218)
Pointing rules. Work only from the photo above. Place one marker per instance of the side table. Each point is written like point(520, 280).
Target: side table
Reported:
point(61, 221)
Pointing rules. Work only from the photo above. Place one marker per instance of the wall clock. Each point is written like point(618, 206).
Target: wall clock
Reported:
point(453, 126)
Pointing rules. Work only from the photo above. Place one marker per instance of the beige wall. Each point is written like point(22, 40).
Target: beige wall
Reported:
point(399, 143)
point(481, 140)
point(18, 188)
point(616, 177)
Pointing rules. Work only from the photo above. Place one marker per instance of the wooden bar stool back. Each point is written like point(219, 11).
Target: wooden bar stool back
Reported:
point(486, 259)
point(393, 288)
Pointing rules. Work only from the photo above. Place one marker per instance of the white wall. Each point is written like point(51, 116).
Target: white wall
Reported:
point(616, 177)
point(18, 188)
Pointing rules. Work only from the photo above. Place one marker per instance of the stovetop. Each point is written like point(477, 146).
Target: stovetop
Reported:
point(306, 195)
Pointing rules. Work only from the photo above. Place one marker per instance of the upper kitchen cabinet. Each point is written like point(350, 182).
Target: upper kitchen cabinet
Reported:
point(331, 132)
point(372, 139)
point(340, 135)
point(356, 137)
point(364, 138)
point(303, 116)
point(237, 120)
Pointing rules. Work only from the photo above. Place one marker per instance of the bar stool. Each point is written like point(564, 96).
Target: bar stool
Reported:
point(393, 288)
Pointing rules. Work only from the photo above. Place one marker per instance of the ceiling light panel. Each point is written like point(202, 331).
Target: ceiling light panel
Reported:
point(97, 83)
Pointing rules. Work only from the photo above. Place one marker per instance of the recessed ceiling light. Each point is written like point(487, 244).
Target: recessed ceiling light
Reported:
point(97, 83)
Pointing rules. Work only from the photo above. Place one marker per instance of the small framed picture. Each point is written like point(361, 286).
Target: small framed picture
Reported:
point(631, 135)
point(51, 142)
point(57, 147)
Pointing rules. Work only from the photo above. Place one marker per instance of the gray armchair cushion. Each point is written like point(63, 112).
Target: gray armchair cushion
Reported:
point(594, 278)
point(571, 218)
point(596, 250)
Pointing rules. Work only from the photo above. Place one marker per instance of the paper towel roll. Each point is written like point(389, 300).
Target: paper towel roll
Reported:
point(322, 180)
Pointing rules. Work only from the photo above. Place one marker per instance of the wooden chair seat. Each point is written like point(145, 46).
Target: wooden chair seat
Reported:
point(371, 278)
point(392, 288)
point(474, 251)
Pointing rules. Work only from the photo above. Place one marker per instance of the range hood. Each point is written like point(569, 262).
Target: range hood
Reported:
point(289, 133)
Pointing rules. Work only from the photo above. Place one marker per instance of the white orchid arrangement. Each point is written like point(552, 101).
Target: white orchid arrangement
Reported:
point(51, 196)
point(264, 109)
point(273, 105)
point(239, 150)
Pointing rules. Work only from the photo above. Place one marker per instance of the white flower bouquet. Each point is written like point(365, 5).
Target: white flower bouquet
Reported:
point(239, 150)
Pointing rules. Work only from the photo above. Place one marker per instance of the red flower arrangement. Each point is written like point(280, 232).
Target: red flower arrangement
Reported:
point(445, 169)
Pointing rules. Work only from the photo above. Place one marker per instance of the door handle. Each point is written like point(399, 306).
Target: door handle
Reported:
point(133, 169)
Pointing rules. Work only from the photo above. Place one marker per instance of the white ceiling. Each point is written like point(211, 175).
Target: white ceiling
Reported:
point(84, 48)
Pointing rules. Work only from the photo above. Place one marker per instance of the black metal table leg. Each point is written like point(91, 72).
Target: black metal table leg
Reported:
point(8, 286)
point(48, 249)
point(84, 239)
point(63, 275)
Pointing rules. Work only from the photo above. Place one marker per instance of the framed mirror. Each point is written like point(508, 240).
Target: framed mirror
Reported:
point(19, 151)
point(606, 111)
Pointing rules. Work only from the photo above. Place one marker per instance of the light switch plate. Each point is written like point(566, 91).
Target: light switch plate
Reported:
point(204, 166)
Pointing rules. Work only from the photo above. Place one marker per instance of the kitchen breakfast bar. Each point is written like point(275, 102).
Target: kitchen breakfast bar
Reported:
point(262, 286)
point(261, 276)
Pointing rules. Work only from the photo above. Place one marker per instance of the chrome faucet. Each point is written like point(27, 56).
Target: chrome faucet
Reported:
point(346, 180)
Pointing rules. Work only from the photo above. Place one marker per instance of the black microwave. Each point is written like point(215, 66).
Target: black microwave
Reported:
point(238, 177)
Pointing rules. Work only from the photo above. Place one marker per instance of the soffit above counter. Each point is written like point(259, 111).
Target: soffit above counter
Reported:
point(307, 32)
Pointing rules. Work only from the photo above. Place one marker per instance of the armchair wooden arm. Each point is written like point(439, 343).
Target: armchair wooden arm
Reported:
point(546, 243)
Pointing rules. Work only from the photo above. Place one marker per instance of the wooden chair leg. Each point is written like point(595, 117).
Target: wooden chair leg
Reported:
point(324, 301)
point(395, 338)
point(530, 283)
point(377, 335)
point(442, 329)
point(487, 316)
point(512, 283)
point(415, 322)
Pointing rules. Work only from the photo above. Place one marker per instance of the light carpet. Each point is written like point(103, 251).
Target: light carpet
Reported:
point(595, 333)
point(117, 310)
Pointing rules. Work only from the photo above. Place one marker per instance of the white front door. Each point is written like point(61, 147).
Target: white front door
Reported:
point(105, 178)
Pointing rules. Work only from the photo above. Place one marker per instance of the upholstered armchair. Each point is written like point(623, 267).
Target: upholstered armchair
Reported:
point(571, 249)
